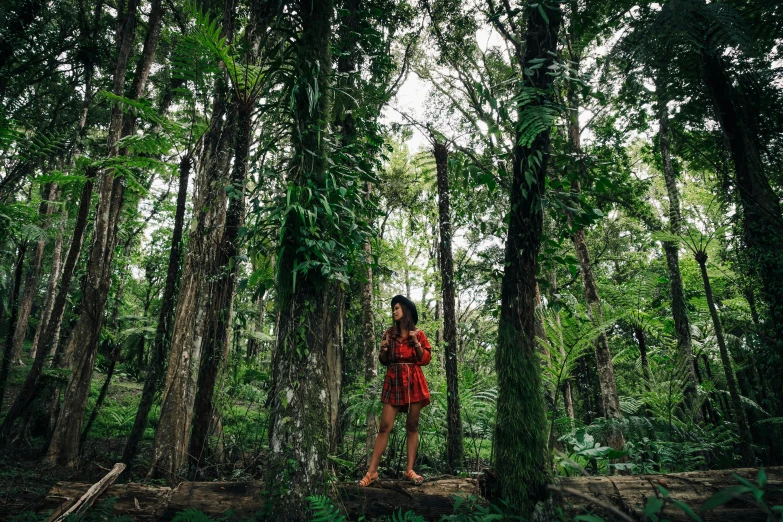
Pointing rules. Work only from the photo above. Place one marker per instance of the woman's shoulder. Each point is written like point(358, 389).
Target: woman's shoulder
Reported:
point(421, 335)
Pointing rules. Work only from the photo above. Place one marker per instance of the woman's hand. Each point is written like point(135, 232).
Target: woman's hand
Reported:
point(414, 335)
point(383, 356)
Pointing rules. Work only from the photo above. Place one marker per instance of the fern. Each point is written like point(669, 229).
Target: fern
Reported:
point(408, 516)
point(323, 509)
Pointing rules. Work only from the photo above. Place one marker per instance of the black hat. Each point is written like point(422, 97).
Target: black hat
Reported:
point(407, 303)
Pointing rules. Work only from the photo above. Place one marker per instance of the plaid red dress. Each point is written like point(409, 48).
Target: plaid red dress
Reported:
point(405, 383)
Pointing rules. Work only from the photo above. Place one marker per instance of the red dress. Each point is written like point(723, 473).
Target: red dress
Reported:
point(405, 383)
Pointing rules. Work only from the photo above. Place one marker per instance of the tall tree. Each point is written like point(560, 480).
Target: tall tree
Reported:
point(309, 308)
point(521, 432)
point(454, 450)
point(682, 325)
point(165, 316)
point(746, 450)
point(172, 437)
point(603, 355)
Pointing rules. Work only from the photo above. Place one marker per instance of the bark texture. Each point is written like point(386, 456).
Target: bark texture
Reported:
point(454, 449)
point(603, 355)
point(217, 336)
point(521, 431)
point(368, 336)
point(641, 338)
point(434, 499)
point(629, 494)
point(568, 398)
point(209, 204)
point(146, 503)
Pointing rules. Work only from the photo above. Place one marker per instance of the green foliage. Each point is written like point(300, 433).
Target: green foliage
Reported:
point(323, 510)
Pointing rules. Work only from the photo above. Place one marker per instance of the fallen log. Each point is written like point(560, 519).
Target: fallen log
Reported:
point(629, 494)
point(81, 504)
point(145, 503)
point(434, 498)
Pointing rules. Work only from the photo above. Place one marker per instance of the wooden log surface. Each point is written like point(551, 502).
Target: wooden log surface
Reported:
point(433, 498)
point(630, 493)
point(155, 503)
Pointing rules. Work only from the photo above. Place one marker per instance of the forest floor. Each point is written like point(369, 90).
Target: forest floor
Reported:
point(24, 481)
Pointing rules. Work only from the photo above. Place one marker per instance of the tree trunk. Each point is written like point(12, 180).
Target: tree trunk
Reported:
point(300, 424)
point(216, 340)
point(603, 355)
point(368, 336)
point(13, 303)
point(454, 449)
point(158, 352)
point(746, 450)
point(51, 287)
point(568, 398)
point(739, 117)
point(187, 331)
point(31, 280)
point(682, 324)
point(638, 332)
point(521, 429)
point(83, 342)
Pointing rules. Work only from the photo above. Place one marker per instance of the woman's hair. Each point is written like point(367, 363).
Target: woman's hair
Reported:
point(406, 323)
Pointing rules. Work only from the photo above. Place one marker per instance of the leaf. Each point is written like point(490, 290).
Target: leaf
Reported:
point(588, 518)
point(724, 496)
point(653, 506)
point(543, 14)
point(686, 509)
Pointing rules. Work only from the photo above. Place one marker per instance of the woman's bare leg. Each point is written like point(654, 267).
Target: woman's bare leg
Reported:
point(382, 440)
point(412, 432)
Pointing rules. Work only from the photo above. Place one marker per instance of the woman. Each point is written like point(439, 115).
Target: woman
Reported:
point(404, 349)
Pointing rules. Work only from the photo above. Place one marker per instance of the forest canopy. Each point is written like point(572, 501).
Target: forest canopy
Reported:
point(206, 207)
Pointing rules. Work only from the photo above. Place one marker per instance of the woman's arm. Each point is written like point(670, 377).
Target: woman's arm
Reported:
point(423, 349)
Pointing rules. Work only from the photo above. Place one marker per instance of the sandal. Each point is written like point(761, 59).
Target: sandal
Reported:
point(414, 477)
point(368, 479)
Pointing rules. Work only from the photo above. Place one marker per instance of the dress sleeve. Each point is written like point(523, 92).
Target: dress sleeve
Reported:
point(426, 357)
point(384, 342)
